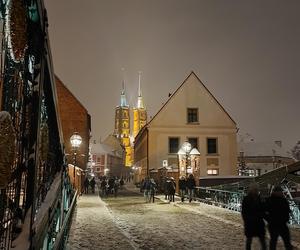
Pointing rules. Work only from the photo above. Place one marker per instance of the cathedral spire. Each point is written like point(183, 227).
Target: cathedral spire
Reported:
point(123, 96)
point(140, 103)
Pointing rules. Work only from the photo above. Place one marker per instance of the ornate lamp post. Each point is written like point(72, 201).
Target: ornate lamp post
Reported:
point(186, 150)
point(75, 140)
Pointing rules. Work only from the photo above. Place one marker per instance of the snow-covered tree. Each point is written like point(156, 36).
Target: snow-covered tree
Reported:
point(296, 151)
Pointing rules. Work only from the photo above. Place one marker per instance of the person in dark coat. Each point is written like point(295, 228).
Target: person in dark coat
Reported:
point(190, 184)
point(171, 189)
point(278, 213)
point(166, 185)
point(253, 215)
point(182, 187)
point(86, 185)
point(93, 184)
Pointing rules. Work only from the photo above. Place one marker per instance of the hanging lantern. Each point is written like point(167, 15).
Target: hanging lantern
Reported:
point(7, 148)
point(16, 29)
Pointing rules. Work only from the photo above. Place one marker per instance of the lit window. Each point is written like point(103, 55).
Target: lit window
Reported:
point(192, 115)
point(212, 171)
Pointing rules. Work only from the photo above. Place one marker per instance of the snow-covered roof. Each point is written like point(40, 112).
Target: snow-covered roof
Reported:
point(100, 148)
point(254, 148)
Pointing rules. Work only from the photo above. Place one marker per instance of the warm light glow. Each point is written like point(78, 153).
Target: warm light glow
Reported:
point(75, 140)
point(186, 146)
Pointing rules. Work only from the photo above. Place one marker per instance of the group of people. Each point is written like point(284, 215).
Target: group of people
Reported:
point(89, 184)
point(149, 187)
point(110, 185)
point(275, 210)
point(187, 187)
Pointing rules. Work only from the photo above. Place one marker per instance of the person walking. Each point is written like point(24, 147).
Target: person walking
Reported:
point(93, 184)
point(172, 189)
point(278, 213)
point(182, 187)
point(103, 186)
point(153, 188)
point(253, 215)
point(166, 184)
point(86, 185)
point(147, 188)
point(190, 184)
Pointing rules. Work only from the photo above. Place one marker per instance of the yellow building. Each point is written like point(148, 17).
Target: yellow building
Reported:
point(122, 127)
point(191, 114)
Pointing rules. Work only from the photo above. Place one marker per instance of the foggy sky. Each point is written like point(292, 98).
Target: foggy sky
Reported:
point(245, 52)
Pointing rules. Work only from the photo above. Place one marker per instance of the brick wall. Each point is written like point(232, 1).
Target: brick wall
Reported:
point(74, 118)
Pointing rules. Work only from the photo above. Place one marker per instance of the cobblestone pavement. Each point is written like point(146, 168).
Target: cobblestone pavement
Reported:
point(127, 222)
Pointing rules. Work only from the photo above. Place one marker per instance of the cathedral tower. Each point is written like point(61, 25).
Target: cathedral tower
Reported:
point(122, 126)
point(139, 112)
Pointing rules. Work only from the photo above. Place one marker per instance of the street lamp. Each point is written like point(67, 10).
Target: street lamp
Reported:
point(75, 140)
point(187, 151)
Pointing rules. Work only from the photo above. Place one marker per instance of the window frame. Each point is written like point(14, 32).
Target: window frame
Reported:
point(197, 138)
point(217, 146)
point(197, 116)
point(173, 137)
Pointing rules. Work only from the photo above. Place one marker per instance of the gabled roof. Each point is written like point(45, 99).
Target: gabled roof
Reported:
point(177, 90)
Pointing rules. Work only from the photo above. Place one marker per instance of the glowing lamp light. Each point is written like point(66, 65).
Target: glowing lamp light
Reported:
point(76, 140)
point(186, 146)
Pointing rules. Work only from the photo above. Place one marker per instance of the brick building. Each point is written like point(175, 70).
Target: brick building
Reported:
point(74, 117)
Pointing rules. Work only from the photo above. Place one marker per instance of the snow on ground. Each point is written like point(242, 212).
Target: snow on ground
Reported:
point(127, 222)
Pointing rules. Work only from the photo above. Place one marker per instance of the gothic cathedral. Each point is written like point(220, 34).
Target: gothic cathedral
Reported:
point(122, 123)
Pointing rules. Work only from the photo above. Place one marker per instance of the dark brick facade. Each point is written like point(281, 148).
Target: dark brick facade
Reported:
point(74, 118)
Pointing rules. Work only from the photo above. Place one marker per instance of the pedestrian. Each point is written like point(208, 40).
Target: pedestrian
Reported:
point(253, 214)
point(278, 214)
point(166, 185)
point(93, 184)
point(116, 186)
point(172, 189)
point(182, 187)
point(103, 186)
point(121, 183)
point(147, 188)
point(86, 184)
point(153, 188)
point(190, 184)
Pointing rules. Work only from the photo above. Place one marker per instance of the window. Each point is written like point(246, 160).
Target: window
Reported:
point(194, 142)
point(213, 171)
point(212, 147)
point(173, 145)
point(192, 115)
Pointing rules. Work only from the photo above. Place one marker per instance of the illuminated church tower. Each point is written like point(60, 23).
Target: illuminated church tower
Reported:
point(122, 127)
point(139, 112)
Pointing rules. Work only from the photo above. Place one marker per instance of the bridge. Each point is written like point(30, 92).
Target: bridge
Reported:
point(36, 195)
point(36, 198)
point(230, 195)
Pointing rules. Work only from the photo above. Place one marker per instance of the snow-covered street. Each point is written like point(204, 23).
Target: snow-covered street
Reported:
point(127, 222)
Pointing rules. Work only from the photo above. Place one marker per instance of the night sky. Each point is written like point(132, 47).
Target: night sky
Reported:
point(246, 53)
